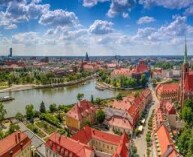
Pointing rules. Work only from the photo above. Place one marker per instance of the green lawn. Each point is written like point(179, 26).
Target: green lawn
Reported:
point(46, 127)
point(36, 130)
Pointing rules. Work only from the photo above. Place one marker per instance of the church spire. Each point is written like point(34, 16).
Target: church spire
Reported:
point(185, 53)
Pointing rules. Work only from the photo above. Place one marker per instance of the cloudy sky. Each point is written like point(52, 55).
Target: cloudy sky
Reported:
point(99, 27)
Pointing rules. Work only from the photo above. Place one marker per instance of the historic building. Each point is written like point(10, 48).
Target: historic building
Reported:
point(186, 83)
point(163, 144)
point(122, 115)
point(88, 142)
point(81, 113)
point(135, 72)
point(15, 145)
point(167, 91)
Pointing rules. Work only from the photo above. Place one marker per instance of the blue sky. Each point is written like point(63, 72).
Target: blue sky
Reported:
point(99, 27)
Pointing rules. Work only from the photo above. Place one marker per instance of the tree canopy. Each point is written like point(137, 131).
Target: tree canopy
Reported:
point(100, 116)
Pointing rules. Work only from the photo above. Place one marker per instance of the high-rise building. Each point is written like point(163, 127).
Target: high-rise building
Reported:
point(87, 58)
point(10, 52)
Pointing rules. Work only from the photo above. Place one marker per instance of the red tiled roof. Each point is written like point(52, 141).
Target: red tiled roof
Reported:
point(122, 71)
point(165, 141)
point(168, 87)
point(168, 107)
point(132, 105)
point(13, 144)
point(86, 134)
point(120, 122)
point(141, 67)
point(122, 149)
point(124, 104)
point(65, 146)
point(81, 110)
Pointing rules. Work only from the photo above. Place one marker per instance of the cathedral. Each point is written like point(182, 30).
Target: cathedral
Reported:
point(186, 83)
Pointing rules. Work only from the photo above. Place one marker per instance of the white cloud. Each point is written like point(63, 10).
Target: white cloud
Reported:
point(59, 18)
point(17, 11)
point(28, 38)
point(170, 4)
point(101, 27)
point(189, 11)
point(91, 3)
point(145, 20)
point(125, 15)
point(120, 6)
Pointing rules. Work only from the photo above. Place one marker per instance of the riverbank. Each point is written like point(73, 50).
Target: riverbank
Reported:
point(110, 87)
point(14, 88)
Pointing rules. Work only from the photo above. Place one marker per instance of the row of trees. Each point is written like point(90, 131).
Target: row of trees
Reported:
point(37, 77)
point(185, 139)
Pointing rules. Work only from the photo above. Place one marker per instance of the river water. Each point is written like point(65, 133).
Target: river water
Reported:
point(60, 95)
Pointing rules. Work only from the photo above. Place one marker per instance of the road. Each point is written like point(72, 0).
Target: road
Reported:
point(140, 142)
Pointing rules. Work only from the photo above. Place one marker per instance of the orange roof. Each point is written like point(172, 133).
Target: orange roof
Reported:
point(141, 67)
point(167, 107)
point(168, 87)
point(12, 143)
point(124, 104)
point(122, 71)
point(66, 146)
point(165, 141)
point(120, 122)
point(86, 134)
point(81, 110)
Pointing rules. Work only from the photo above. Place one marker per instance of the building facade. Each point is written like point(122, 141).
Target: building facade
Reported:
point(88, 142)
point(81, 113)
point(167, 91)
point(16, 145)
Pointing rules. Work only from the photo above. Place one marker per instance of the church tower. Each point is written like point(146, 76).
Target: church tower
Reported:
point(184, 75)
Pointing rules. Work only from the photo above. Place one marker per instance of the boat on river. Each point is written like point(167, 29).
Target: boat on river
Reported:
point(6, 98)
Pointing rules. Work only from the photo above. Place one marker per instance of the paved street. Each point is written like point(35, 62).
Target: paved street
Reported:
point(140, 142)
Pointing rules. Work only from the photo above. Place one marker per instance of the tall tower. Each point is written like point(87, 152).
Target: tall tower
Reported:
point(86, 58)
point(184, 75)
point(10, 52)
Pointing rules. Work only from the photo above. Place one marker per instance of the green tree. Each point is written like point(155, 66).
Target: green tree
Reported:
point(80, 96)
point(19, 116)
point(98, 101)
point(13, 128)
point(92, 99)
point(42, 107)
point(1, 135)
point(143, 80)
point(119, 97)
point(53, 108)
point(100, 116)
point(30, 111)
point(187, 112)
point(88, 123)
point(183, 141)
point(3, 112)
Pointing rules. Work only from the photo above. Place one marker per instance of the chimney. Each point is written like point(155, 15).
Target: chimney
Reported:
point(19, 137)
point(59, 139)
point(16, 139)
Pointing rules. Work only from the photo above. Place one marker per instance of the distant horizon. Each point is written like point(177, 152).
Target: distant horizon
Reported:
point(102, 27)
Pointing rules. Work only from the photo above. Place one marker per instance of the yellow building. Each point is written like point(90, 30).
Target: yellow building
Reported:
point(81, 113)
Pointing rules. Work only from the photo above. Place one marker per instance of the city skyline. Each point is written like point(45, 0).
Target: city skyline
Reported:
point(99, 27)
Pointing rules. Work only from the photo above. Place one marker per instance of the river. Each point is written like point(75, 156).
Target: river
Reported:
point(60, 95)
